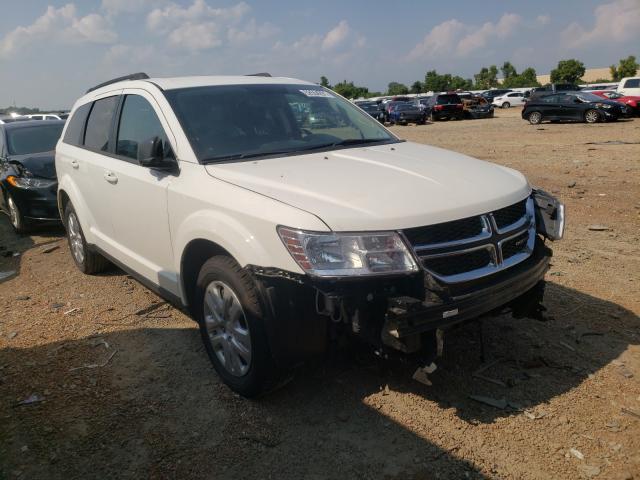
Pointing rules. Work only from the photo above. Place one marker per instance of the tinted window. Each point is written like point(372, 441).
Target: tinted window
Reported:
point(99, 123)
point(632, 83)
point(36, 139)
point(75, 129)
point(1, 143)
point(448, 99)
point(138, 124)
point(551, 98)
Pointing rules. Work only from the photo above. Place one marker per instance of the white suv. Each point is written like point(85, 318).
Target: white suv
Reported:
point(280, 216)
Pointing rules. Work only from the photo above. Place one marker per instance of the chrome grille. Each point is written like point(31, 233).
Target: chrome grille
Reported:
point(474, 247)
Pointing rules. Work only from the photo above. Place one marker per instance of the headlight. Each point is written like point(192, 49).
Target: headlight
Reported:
point(30, 182)
point(348, 254)
point(603, 105)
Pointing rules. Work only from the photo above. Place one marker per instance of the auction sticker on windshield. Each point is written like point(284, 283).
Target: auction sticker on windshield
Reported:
point(316, 93)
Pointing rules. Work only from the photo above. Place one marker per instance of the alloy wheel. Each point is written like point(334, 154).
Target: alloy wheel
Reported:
point(591, 116)
point(227, 328)
point(14, 215)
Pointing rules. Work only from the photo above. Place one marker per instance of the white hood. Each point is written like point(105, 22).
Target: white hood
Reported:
point(384, 187)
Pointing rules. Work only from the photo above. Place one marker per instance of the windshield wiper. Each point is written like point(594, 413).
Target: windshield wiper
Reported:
point(243, 156)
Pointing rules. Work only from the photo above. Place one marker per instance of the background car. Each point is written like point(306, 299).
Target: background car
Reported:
point(629, 86)
point(633, 102)
point(477, 107)
point(374, 109)
point(509, 99)
point(497, 92)
point(404, 113)
point(28, 183)
point(446, 106)
point(574, 106)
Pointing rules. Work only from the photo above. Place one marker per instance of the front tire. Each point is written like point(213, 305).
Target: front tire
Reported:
point(591, 116)
point(232, 326)
point(535, 118)
point(15, 216)
point(87, 261)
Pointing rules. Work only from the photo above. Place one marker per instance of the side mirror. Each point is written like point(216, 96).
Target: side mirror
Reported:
point(151, 154)
point(577, 100)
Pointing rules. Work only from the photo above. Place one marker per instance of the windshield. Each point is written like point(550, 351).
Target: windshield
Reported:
point(36, 139)
point(589, 97)
point(228, 122)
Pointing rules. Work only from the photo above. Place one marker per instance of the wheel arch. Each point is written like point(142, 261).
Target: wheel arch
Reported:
point(194, 255)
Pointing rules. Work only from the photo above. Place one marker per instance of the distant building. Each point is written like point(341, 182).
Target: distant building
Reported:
point(590, 75)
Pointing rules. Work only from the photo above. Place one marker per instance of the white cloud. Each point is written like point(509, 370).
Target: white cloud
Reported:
point(59, 24)
point(489, 31)
point(439, 41)
point(453, 37)
point(336, 46)
point(618, 21)
point(201, 27)
point(115, 7)
point(336, 36)
point(250, 32)
point(543, 20)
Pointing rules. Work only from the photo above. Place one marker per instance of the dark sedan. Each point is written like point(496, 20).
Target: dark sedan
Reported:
point(404, 113)
point(374, 109)
point(28, 182)
point(572, 106)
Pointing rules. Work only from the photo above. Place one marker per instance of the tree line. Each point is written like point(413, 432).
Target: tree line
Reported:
point(567, 71)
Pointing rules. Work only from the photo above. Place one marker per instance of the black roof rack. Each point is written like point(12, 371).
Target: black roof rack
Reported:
point(133, 76)
point(262, 74)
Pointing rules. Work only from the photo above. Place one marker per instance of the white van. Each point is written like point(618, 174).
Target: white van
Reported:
point(629, 86)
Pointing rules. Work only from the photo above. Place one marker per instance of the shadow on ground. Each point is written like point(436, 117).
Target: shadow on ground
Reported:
point(12, 245)
point(145, 403)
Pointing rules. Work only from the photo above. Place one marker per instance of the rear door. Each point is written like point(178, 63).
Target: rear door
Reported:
point(90, 168)
point(516, 98)
point(138, 195)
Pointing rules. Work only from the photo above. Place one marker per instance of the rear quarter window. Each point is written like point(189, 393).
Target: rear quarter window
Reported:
point(632, 83)
point(98, 129)
point(448, 99)
point(75, 129)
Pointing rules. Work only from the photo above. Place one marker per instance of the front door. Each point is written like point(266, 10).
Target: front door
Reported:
point(139, 194)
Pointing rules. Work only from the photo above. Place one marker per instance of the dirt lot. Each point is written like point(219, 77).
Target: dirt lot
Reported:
point(123, 388)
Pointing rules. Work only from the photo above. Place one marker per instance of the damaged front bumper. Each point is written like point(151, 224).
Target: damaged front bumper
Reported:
point(304, 313)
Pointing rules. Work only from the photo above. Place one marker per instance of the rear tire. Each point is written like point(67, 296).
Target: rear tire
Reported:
point(591, 116)
point(232, 326)
point(535, 118)
point(506, 105)
point(86, 260)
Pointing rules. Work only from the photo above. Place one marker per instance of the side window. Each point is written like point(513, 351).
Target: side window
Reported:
point(1, 143)
point(632, 83)
point(550, 99)
point(75, 129)
point(99, 124)
point(139, 124)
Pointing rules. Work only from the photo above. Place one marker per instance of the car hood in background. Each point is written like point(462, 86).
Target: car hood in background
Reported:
point(39, 164)
point(380, 187)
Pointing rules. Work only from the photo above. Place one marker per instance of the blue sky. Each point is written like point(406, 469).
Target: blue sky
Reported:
point(51, 51)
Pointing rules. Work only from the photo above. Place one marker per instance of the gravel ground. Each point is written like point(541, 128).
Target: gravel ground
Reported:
point(120, 386)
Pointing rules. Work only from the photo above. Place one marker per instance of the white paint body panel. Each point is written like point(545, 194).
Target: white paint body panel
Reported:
point(381, 188)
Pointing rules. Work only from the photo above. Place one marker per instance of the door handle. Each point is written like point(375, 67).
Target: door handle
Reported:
point(110, 177)
point(75, 164)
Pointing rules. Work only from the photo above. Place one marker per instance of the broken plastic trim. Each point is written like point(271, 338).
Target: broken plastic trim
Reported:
point(550, 215)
